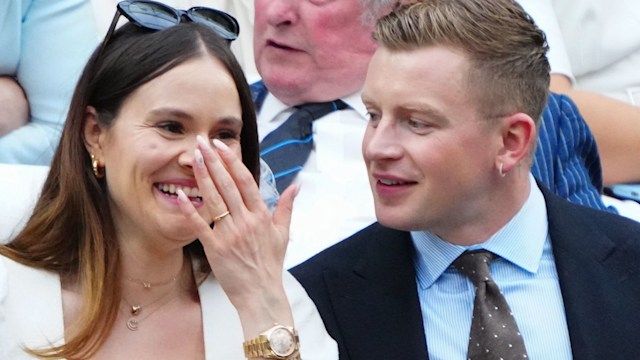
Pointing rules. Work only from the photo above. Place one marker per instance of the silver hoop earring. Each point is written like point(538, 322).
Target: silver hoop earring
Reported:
point(501, 170)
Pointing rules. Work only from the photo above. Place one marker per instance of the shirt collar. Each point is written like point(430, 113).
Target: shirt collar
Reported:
point(520, 242)
point(355, 101)
point(272, 108)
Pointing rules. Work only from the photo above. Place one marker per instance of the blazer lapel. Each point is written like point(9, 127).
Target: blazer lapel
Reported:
point(589, 266)
point(379, 298)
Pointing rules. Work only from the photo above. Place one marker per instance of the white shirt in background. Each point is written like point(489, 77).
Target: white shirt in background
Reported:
point(335, 199)
point(602, 39)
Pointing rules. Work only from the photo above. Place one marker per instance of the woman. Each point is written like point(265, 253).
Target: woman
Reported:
point(107, 266)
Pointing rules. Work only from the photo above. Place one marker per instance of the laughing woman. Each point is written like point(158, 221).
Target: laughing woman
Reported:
point(119, 259)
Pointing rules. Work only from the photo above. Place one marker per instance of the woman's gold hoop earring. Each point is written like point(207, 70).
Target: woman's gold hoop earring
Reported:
point(95, 166)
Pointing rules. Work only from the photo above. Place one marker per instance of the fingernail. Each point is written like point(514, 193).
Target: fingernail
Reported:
point(202, 142)
point(220, 145)
point(182, 197)
point(199, 159)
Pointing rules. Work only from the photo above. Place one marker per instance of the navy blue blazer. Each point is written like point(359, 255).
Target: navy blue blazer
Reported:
point(566, 159)
point(365, 287)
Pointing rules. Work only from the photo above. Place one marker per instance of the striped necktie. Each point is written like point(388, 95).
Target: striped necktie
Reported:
point(287, 148)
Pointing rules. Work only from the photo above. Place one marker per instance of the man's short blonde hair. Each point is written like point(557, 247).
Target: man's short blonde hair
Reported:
point(508, 72)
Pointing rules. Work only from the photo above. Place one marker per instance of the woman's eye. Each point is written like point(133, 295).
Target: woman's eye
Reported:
point(172, 127)
point(225, 135)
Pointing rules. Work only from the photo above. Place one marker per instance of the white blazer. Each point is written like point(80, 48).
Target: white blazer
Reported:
point(31, 316)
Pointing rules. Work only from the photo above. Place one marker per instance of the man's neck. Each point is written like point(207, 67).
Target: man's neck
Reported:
point(487, 219)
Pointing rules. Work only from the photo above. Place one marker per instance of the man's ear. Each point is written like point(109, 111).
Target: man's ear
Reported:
point(519, 135)
point(93, 133)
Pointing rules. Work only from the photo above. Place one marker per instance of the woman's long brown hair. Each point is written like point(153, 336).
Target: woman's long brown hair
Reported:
point(71, 231)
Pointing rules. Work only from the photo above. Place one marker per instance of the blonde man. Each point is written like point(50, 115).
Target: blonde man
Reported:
point(454, 93)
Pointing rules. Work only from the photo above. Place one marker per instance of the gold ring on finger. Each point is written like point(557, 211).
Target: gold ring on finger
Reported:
point(221, 216)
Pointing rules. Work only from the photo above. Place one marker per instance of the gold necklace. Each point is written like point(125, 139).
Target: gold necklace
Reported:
point(134, 320)
point(148, 284)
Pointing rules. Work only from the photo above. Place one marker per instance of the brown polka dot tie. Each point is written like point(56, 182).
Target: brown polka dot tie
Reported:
point(494, 332)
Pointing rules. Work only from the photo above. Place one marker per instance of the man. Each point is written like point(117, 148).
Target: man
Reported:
point(454, 94)
point(309, 51)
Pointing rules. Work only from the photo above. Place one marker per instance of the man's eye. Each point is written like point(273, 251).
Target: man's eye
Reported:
point(373, 116)
point(171, 127)
point(416, 124)
point(319, 2)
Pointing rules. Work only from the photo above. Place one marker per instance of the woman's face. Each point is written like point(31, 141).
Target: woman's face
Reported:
point(148, 151)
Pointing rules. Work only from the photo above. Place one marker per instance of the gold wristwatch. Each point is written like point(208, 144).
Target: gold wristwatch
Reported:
point(279, 342)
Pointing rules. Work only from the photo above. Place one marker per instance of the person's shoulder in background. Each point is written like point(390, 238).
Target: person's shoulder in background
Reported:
point(45, 45)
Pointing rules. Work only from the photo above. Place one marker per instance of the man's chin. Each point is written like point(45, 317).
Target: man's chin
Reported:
point(396, 220)
point(284, 86)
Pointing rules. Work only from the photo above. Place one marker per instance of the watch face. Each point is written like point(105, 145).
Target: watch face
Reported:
point(282, 342)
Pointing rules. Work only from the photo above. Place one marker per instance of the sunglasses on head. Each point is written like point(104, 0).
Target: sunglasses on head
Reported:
point(157, 16)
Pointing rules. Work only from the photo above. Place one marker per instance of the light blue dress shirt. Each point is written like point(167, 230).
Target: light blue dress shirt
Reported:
point(525, 272)
point(44, 45)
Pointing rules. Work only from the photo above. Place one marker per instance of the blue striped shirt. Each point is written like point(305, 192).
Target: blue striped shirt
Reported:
point(525, 272)
point(566, 160)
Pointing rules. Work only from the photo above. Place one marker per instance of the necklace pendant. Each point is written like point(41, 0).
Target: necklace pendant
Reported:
point(132, 324)
point(136, 310)
point(147, 285)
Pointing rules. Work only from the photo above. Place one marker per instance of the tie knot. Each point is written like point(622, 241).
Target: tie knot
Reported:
point(475, 265)
point(317, 110)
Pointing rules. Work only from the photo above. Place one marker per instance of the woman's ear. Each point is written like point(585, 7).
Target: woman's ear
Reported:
point(519, 135)
point(93, 132)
